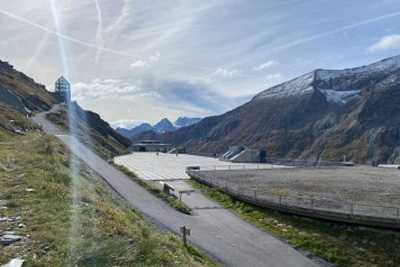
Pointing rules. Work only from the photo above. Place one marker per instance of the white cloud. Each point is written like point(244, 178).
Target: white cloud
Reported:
point(127, 124)
point(103, 88)
point(265, 65)
point(387, 42)
point(225, 73)
point(146, 63)
point(273, 77)
point(139, 64)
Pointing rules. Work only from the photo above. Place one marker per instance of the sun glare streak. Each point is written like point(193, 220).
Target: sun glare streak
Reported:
point(75, 166)
point(60, 40)
point(209, 72)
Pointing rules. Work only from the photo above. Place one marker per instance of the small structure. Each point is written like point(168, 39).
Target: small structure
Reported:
point(63, 90)
point(232, 152)
point(242, 154)
point(150, 146)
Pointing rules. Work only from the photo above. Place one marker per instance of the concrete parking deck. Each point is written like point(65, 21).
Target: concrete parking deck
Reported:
point(162, 166)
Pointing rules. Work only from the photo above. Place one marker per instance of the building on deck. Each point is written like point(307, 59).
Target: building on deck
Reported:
point(63, 90)
point(150, 146)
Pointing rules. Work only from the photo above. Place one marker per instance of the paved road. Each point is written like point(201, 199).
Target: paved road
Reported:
point(217, 231)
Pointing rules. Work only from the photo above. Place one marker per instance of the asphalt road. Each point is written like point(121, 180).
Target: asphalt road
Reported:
point(218, 231)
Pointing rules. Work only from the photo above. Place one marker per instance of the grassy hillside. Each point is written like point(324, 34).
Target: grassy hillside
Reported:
point(100, 230)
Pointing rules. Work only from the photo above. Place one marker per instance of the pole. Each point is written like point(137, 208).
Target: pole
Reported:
point(185, 232)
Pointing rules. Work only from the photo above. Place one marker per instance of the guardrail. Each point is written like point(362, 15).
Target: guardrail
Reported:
point(331, 209)
point(238, 166)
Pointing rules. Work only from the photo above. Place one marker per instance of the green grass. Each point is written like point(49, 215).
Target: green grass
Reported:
point(170, 199)
point(102, 230)
point(341, 244)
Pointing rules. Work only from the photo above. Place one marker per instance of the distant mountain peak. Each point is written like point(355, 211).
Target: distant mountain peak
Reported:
point(165, 125)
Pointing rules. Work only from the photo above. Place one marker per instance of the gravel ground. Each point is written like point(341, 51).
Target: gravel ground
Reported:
point(361, 189)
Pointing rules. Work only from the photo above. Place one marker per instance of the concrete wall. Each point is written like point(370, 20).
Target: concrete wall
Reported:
point(247, 156)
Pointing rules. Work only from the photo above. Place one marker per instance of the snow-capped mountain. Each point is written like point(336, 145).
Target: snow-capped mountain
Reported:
point(129, 133)
point(324, 114)
point(163, 126)
point(338, 86)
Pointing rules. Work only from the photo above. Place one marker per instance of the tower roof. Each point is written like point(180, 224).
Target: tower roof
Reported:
point(63, 80)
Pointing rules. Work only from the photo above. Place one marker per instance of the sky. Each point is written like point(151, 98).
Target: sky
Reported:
point(134, 61)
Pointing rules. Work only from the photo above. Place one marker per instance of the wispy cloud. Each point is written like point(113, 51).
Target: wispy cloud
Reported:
point(99, 32)
point(225, 73)
point(386, 42)
point(265, 65)
point(211, 53)
point(273, 77)
point(146, 63)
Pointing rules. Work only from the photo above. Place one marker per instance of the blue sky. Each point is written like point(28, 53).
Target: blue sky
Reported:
point(134, 60)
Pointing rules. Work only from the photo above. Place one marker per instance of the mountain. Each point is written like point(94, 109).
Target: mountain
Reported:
point(163, 126)
point(130, 133)
point(21, 93)
point(324, 114)
point(185, 122)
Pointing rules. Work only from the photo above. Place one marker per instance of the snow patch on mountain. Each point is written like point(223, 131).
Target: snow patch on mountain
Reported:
point(387, 65)
point(298, 86)
point(340, 97)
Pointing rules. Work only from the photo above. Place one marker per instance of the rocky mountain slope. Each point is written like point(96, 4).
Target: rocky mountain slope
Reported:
point(185, 122)
point(163, 126)
point(324, 114)
point(21, 95)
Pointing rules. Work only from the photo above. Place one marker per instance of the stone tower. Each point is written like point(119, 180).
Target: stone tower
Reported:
point(63, 90)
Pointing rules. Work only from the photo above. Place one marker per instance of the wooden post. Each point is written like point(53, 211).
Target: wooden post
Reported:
point(185, 232)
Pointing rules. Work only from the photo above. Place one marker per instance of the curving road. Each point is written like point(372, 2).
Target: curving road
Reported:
point(218, 231)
